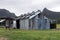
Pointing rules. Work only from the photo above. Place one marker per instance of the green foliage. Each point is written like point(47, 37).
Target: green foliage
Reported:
point(58, 21)
point(58, 26)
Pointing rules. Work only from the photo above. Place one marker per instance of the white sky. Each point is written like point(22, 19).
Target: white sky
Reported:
point(24, 6)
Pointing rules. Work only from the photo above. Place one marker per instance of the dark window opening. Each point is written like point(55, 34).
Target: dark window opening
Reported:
point(53, 26)
point(18, 24)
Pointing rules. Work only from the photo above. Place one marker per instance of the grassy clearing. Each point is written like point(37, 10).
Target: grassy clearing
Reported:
point(15, 34)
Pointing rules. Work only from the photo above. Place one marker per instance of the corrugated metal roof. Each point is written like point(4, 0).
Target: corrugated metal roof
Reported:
point(36, 13)
point(30, 15)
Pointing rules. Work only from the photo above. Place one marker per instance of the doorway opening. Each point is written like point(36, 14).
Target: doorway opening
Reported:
point(18, 24)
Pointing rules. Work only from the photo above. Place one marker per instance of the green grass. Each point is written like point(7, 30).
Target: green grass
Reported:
point(16, 34)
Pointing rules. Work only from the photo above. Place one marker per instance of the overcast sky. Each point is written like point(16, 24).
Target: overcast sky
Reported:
point(24, 6)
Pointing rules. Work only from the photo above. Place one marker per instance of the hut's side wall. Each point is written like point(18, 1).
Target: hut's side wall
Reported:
point(24, 24)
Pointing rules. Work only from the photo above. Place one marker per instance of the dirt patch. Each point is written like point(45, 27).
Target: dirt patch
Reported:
point(3, 38)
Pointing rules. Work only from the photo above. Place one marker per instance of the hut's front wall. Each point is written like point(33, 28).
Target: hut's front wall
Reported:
point(48, 24)
point(14, 24)
point(8, 23)
point(45, 23)
point(34, 23)
point(24, 24)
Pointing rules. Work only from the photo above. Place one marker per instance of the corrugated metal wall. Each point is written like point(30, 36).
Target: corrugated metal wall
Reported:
point(24, 24)
point(45, 24)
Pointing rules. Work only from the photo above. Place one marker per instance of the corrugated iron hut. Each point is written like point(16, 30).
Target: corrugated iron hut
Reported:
point(33, 21)
point(8, 16)
point(37, 20)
